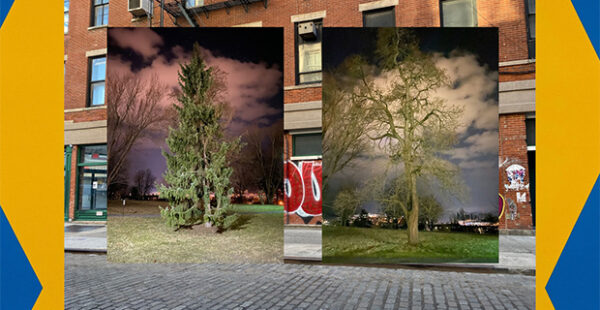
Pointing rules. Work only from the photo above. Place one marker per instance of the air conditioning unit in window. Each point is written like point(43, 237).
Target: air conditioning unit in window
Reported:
point(307, 30)
point(139, 7)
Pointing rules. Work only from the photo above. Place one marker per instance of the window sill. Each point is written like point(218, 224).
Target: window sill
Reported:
point(516, 62)
point(301, 86)
point(86, 109)
point(307, 157)
point(97, 27)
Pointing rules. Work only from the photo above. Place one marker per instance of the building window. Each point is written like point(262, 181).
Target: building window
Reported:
point(530, 132)
point(193, 3)
point(100, 12)
point(458, 13)
point(530, 11)
point(308, 51)
point(66, 21)
point(306, 144)
point(530, 139)
point(379, 18)
point(97, 77)
point(92, 178)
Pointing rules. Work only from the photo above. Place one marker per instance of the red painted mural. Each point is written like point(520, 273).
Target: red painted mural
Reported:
point(302, 185)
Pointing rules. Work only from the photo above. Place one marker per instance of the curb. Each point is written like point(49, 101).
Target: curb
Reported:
point(419, 266)
point(85, 251)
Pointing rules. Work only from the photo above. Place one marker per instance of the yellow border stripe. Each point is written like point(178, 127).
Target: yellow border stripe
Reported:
point(31, 138)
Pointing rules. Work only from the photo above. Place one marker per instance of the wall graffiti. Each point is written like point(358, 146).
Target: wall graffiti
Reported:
point(302, 187)
point(516, 178)
point(512, 209)
point(521, 197)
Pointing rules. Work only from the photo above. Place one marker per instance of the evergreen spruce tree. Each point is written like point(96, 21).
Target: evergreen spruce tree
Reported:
point(197, 177)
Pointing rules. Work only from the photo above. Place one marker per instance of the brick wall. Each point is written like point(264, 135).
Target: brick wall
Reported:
point(508, 15)
point(86, 115)
point(302, 95)
point(517, 73)
point(78, 41)
point(513, 151)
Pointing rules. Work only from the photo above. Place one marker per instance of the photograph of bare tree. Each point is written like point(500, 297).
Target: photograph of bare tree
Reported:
point(410, 145)
point(195, 138)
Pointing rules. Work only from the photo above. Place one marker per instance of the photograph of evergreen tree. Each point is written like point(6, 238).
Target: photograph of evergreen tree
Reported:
point(410, 145)
point(195, 137)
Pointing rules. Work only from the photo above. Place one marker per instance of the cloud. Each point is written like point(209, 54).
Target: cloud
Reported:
point(478, 164)
point(473, 87)
point(477, 145)
point(142, 40)
point(248, 85)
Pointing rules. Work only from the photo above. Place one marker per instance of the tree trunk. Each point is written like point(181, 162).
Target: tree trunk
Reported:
point(413, 218)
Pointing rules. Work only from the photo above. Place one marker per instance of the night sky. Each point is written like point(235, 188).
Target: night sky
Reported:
point(470, 58)
point(250, 58)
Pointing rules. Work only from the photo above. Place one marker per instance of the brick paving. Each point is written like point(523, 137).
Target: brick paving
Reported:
point(93, 283)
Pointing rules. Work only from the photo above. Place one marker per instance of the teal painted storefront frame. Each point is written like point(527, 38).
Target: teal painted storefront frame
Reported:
point(86, 215)
point(67, 169)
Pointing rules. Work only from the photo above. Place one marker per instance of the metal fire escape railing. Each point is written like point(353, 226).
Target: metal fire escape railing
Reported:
point(177, 8)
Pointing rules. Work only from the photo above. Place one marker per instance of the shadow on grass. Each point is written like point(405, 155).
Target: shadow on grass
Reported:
point(240, 222)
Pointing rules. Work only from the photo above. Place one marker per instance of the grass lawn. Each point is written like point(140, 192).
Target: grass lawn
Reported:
point(388, 246)
point(143, 237)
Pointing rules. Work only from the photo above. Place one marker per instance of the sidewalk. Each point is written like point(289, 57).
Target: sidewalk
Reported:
point(85, 237)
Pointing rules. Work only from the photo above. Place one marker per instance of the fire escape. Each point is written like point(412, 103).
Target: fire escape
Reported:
point(177, 9)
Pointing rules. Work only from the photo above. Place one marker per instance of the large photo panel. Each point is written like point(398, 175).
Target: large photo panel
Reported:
point(410, 145)
point(195, 141)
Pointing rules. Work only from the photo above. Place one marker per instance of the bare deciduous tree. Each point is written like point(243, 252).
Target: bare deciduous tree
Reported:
point(407, 121)
point(265, 148)
point(144, 181)
point(133, 106)
point(345, 122)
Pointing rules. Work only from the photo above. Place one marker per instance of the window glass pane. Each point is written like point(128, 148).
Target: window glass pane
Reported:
point(98, 16)
point(307, 145)
point(531, 6)
point(94, 154)
point(310, 77)
point(92, 188)
point(98, 69)
point(97, 93)
point(66, 22)
point(193, 3)
point(380, 18)
point(66, 3)
point(105, 15)
point(459, 13)
point(309, 57)
point(531, 21)
point(530, 131)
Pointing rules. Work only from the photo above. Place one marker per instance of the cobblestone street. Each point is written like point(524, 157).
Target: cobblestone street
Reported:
point(93, 283)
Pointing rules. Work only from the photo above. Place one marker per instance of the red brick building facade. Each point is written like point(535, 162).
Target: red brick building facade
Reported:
point(515, 20)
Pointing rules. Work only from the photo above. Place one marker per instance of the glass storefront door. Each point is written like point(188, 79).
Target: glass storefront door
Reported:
point(92, 186)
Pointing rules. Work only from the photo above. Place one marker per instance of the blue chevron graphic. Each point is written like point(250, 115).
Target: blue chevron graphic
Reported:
point(19, 285)
point(5, 6)
point(589, 14)
point(575, 280)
